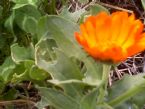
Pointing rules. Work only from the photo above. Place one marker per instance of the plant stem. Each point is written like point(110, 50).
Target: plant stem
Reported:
point(53, 6)
point(106, 71)
point(127, 95)
point(103, 88)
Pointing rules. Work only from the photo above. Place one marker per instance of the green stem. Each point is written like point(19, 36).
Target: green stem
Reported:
point(126, 95)
point(103, 88)
point(106, 71)
point(63, 2)
point(53, 7)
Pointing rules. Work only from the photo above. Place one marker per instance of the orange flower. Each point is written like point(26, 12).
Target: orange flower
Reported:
point(112, 37)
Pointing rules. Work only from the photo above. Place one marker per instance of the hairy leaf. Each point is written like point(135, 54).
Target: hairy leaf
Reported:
point(21, 53)
point(95, 9)
point(122, 87)
point(72, 16)
point(57, 99)
point(54, 27)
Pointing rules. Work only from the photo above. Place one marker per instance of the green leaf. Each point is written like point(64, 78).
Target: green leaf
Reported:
point(2, 41)
point(1, 10)
point(93, 75)
point(10, 95)
point(22, 70)
point(6, 69)
point(8, 73)
point(72, 16)
point(28, 64)
point(64, 39)
point(24, 1)
point(65, 69)
point(143, 3)
point(38, 74)
point(25, 15)
point(139, 100)
point(83, 1)
point(62, 31)
point(57, 99)
point(29, 24)
point(54, 27)
point(2, 84)
point(42, 103)
point(21, 54)
point(19, 69)
point(95, 9)
point(8, 62)
point(9, 23)
point(89, 100)
point(27, 10)
point(124, 92)
point(44, 53)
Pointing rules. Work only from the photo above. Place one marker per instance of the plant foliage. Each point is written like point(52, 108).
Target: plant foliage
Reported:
point(38, 45)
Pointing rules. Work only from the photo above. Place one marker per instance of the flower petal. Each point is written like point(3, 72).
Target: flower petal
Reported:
point(112, 37)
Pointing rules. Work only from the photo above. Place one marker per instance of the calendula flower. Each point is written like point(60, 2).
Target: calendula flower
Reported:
point(112, 37)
